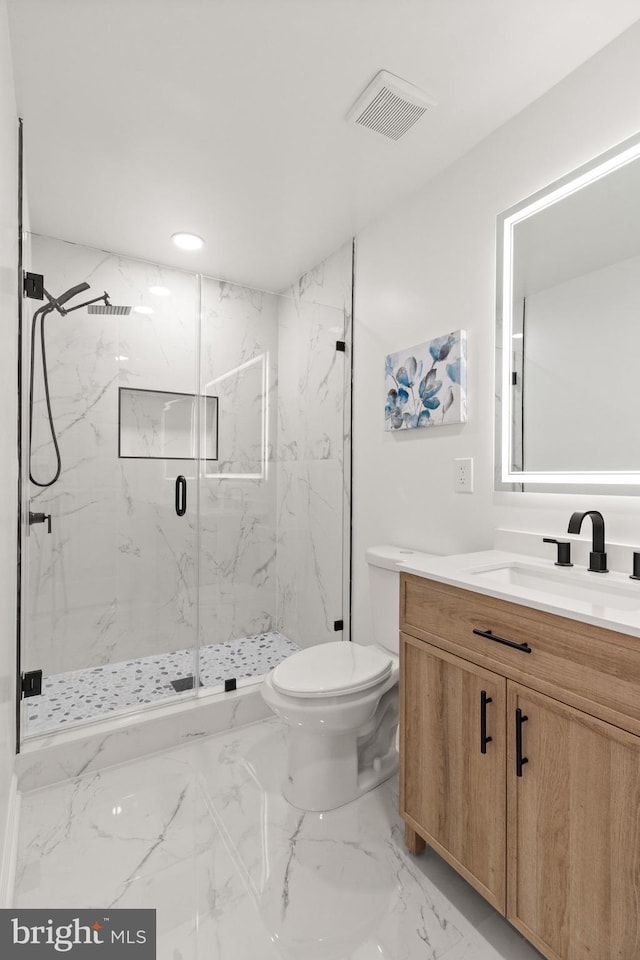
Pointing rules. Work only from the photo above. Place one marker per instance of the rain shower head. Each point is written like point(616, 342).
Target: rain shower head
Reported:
point(108, 308)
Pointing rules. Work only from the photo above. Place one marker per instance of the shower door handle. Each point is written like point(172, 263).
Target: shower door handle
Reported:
point(181, 496)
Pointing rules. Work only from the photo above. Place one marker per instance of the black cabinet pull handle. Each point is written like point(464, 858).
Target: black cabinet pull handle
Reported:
point(484, 739)
point(520, 760)
point(490, 635)
point(181, 496)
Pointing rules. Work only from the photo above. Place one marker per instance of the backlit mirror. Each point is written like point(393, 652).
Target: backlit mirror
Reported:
point(568, 331)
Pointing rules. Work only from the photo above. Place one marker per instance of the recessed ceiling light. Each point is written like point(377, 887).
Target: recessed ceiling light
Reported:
point(187, 241)
point(144, 310)
point(160, 291)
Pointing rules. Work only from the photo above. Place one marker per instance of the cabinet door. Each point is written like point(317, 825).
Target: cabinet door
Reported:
point(573, 835)
point(453, 785)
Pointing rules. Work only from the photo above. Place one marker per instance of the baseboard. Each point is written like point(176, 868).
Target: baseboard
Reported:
point(10, 846)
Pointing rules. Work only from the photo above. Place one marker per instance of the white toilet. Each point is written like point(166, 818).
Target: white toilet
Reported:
point(340, 701)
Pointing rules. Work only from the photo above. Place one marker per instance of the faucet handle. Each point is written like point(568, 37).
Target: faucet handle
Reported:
point(564, 551)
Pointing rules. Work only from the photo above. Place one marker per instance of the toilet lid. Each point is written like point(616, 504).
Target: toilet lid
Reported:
point(331, 669)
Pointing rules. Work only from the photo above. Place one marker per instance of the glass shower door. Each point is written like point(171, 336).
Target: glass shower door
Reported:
point(110, 611)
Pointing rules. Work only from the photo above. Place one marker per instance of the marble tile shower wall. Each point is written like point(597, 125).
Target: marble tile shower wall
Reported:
point(116, 579)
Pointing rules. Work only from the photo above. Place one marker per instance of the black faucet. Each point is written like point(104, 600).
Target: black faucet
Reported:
point(597, 557)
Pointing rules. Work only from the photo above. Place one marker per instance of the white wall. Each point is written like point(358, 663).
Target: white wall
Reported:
point(8, 401)
point(428, 268)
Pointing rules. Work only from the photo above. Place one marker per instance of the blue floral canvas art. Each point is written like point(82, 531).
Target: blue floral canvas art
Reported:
point(426, 385)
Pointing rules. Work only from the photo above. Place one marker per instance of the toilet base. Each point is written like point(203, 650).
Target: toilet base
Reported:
point(339, 746)
point(322, 771)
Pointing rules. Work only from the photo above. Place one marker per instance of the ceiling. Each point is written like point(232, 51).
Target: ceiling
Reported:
point(226, 117)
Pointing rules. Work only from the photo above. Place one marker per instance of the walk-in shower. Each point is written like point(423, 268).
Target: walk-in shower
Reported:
point(187, 456)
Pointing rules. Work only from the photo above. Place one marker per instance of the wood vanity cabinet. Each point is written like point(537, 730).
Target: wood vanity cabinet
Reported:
point(453, 790)
point(543, 818)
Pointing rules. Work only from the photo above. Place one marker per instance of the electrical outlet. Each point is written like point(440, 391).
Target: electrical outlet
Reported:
point(463, 476)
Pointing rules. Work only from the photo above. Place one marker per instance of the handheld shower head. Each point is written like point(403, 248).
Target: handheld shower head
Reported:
point(96, 305)
point(57, 303)
point(72, 292)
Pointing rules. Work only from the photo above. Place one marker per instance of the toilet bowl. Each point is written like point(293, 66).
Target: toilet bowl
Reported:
point(340, 702)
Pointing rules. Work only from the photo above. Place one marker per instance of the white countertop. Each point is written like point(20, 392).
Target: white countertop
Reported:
point(610, 600)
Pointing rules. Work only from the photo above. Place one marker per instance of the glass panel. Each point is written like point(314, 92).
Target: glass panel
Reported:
point(110, 598)
point(238, 505)
point(274, 506)
point(312, 518)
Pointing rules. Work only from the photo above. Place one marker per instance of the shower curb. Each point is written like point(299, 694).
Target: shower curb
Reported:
point(56, 757)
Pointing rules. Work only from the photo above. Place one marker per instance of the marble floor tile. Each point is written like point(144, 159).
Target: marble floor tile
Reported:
point(102, 832)
point(203, 834)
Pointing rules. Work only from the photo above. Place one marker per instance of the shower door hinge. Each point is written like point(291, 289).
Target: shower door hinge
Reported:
point(341, 346)
point(514, 379)
point(338, 625)
point(33, 286)
point(31, 684)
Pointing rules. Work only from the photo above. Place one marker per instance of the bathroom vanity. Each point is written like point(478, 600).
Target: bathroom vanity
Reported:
point(520, 744)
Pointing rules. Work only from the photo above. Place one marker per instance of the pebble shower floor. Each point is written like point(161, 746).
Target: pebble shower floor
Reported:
point(69, 698)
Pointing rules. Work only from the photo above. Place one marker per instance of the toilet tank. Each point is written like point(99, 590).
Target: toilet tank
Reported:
point(384, 591)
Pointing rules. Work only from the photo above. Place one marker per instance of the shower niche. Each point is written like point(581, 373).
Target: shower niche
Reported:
point(158, 425)
point(240, 397)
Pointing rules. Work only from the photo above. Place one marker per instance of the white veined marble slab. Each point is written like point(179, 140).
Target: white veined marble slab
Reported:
point(204, 835)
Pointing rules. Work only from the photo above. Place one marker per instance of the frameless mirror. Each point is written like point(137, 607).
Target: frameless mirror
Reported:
point(568, 331)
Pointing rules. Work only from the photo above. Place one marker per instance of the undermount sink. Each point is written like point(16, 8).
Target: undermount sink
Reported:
point(594, 589)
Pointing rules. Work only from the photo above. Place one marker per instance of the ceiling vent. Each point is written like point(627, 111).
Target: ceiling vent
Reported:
point(389, 106)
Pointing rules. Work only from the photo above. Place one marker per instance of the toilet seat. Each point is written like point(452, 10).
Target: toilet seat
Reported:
point(331, 669)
